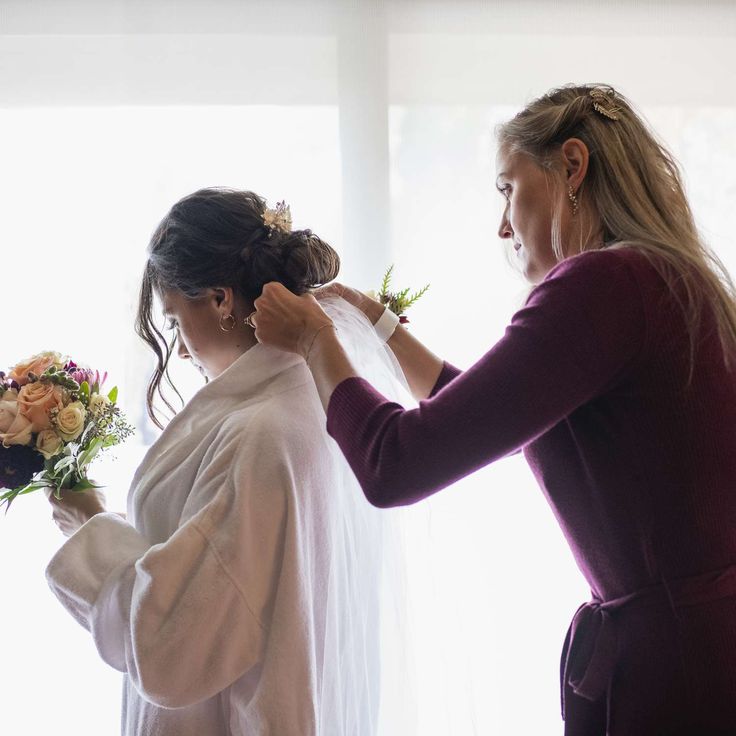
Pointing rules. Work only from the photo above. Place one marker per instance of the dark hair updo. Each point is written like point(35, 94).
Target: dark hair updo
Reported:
point(217, 237)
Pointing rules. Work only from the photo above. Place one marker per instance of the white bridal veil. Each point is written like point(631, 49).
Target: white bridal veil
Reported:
point(366, 627)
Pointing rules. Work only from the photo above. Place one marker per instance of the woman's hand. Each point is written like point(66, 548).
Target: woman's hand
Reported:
point(76, 508)
point(286, 321)
point(371, 308)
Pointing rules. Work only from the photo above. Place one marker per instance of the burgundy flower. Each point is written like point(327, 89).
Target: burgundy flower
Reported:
point(18, 464)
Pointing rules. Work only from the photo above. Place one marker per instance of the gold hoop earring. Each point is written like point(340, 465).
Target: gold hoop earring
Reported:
point(573, 198)
point(232, 323)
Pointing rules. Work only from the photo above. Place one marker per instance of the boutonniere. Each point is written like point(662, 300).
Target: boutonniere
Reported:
point(398, 302)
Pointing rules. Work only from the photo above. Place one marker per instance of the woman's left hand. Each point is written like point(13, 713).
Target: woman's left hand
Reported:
point(76, 508)
point(286, 321)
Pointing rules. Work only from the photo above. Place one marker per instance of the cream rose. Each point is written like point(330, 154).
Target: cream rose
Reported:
point(48, 443)
point(70, 421)
point(19, 432)
point(97, 402)
point(36, 400)
point(37, 364)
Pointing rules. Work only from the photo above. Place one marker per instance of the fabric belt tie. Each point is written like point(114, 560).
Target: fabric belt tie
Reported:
point(590, 650)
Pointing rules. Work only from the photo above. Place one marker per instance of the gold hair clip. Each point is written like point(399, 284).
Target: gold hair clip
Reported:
point(278, 218)
point(604, 104)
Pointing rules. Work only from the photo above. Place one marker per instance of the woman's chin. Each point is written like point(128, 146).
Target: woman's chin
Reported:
point(534, 273)
point(201, 370)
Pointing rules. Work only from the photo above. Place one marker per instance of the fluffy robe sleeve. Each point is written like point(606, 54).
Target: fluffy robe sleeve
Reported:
point(579, 331)
point(187, 617)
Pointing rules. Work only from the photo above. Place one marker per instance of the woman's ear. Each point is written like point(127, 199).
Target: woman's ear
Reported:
point(575, 156)
point(224, 299)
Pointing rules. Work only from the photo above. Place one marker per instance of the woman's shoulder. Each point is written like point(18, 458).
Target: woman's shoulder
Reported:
point(280, 423)
point(615, 273)
point(615, 261)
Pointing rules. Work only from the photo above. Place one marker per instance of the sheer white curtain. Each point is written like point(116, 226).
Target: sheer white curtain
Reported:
point(374, 120)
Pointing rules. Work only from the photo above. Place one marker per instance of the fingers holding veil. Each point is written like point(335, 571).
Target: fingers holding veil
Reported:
point(285, 321)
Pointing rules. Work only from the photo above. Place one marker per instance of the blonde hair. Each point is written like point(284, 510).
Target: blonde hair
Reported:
point(633, 185)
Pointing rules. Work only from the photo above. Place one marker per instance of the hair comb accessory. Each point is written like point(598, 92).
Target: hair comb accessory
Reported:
point(278, 218)
point(604, 103)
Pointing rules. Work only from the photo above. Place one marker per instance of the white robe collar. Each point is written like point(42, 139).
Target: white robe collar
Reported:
point(259, 372)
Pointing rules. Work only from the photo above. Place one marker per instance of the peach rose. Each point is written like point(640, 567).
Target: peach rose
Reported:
point(18, 433)
point(36, 401)
point(48, 443)
point(37, 364)
point(8, 409)
point(70, 421)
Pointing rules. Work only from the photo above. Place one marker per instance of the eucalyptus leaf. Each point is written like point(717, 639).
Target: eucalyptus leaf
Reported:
point(89, 428)
point(66, 479)
point(84, 485)
point(86, 457)
point(113, 395)
point(31, 487)
point(109, 440)
point(65, 462)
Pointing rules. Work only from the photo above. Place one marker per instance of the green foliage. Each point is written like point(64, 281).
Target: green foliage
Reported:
point(400, 301)
point(7, 497)
point(89, 454)
point(58, 378)
point(84, 485)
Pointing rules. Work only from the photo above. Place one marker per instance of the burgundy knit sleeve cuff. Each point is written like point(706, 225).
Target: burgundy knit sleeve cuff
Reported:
point(448, 373)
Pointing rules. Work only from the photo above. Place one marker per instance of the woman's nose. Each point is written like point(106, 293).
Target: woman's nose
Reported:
point(505, 231)
point(181, 348)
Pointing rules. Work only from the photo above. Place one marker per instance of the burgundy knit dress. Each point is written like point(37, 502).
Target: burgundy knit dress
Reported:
point(638, 463)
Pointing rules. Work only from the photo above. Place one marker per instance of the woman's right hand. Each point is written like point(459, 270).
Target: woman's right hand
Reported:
point(371, 308)
point(75, 508)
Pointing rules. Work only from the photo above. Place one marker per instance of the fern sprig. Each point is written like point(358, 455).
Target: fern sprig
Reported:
point(400, 301)
point(386, 281)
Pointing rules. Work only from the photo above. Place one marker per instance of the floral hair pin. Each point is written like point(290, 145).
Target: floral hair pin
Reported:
point(278, 218)
point(604, 104)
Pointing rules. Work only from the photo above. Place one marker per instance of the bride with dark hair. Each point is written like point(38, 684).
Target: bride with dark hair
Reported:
point(241, 593)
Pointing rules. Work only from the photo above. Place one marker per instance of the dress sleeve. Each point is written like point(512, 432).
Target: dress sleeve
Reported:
point(187, 617)
point(579, 332)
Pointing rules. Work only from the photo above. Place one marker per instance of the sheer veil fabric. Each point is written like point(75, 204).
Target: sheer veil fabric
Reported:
point(368, 597)
point(423, 612)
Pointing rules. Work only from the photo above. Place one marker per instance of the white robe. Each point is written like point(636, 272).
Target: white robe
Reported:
point(239, 597)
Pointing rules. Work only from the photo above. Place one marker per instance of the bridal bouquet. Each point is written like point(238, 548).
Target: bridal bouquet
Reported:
point(54, 421)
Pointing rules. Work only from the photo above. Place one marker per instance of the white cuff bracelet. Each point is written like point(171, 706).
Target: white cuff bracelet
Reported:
point(386, 325)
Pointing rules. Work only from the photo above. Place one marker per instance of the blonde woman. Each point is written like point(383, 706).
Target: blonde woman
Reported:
point(616, 380)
